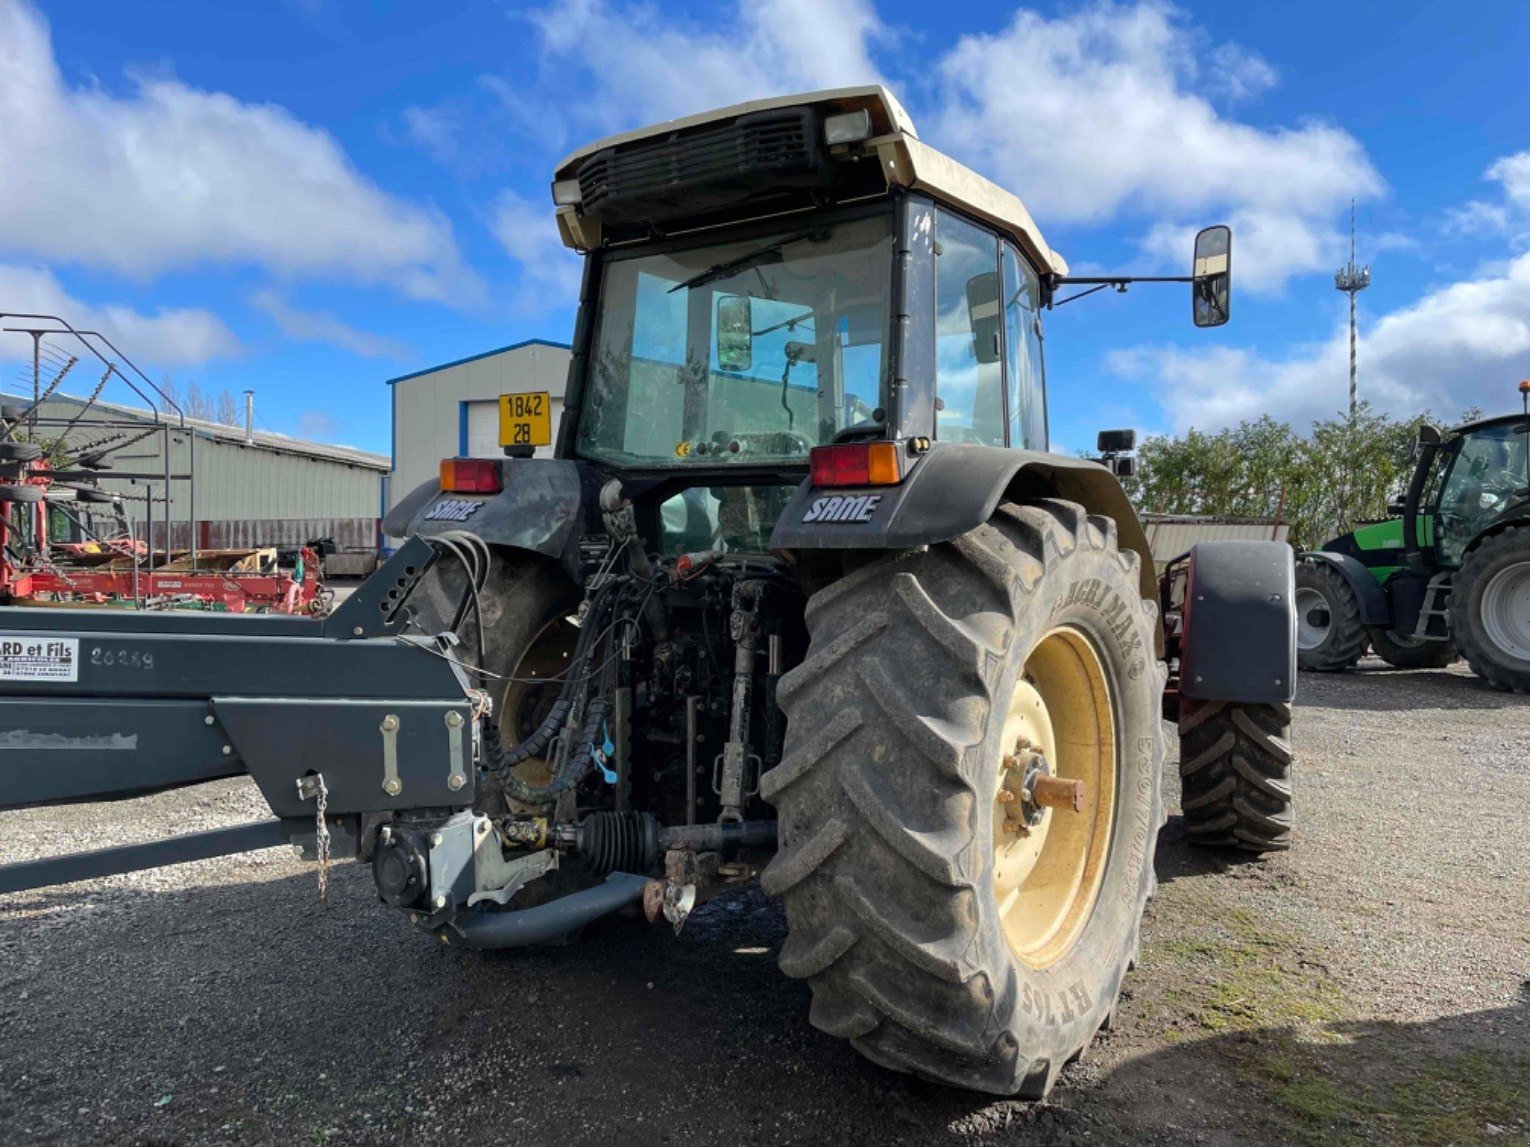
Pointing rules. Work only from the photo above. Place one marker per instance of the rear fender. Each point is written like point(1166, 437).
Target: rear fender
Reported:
point(955, 488)
point(1372, 599)
point(541, 510)
point(951, 489)
point(1239, 640)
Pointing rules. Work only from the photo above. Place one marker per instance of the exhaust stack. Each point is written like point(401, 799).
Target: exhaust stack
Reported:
point(249, 418)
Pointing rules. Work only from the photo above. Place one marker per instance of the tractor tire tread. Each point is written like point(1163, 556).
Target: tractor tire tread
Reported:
point(1235, 774)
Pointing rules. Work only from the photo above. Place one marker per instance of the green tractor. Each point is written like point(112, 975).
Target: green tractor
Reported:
point(1450, 576)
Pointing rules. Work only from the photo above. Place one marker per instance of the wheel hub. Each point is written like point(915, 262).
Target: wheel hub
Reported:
point(1054, 799)
point(1506, 610)
point(1313, 619)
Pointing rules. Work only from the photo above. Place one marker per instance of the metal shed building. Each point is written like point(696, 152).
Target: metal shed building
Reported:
point(452, 410)
point(247, 488)
point(1170, 535)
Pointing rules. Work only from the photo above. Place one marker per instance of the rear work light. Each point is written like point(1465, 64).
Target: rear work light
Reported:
point(856, 464)
point(471, 476)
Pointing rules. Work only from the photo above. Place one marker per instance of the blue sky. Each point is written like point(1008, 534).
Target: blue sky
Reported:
point(307, 198)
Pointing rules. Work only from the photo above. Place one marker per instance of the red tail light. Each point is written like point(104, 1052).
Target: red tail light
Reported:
point(471, 476)
point(856, 464)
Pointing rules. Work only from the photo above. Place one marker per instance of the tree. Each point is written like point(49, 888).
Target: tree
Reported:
point(1342, 474)
point(198, 405)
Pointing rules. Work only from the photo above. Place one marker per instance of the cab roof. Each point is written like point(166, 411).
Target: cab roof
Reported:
point(1484, 423)
point(904, 161)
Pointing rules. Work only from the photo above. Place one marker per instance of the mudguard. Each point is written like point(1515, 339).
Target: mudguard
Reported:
point(540, 509)
point(1239, 639)
point(1372, 599)
point(949, 490)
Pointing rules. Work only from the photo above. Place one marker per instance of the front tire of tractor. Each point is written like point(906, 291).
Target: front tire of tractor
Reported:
point(950, 926)
point(1402, 651)
point(1329, 634)
point(1235, 774)
point(1490, 609)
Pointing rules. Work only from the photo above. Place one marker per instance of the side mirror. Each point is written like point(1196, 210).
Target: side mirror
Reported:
point(1396, 507)
point(983, 314)
point(1115, 441)
point(1211, 277)
point(735, 332)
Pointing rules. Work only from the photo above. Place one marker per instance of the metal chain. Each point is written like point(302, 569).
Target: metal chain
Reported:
point(321, 837)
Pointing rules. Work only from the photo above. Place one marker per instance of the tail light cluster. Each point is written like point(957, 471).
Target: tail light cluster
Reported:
point(471, 476)
point(856, 464)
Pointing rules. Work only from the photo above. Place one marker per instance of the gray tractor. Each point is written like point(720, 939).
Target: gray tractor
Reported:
point(800, 594)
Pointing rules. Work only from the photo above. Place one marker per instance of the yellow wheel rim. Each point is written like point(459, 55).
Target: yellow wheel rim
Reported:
point(1049, 862)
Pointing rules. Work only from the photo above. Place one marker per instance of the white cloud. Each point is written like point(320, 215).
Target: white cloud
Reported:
point(638, 64)
point(433, 128)
point(322, 327)
point(169, 176)
point(1236, 73)
point(1099, 116)
point(529, 234)
point(168, 337)
point(1513, 171)
point(1510, 218)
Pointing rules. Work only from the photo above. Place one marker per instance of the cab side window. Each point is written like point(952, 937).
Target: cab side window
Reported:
point(1022, 353)
point(969, 376)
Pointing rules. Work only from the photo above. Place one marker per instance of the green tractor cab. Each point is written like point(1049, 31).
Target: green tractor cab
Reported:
point(1451, 573)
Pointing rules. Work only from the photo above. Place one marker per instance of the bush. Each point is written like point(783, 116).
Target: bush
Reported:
point(1323, 485)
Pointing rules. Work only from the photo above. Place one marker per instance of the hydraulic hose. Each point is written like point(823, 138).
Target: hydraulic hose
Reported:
point(502, 761)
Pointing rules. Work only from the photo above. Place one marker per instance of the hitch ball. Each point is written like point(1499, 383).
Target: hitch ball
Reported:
point(400, 870)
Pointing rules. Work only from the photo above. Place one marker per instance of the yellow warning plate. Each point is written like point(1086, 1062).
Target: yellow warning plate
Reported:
point(525, 419)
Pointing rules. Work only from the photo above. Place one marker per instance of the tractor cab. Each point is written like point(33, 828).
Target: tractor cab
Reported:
point(1470, 479)
point(798, 288)
point(790, 307)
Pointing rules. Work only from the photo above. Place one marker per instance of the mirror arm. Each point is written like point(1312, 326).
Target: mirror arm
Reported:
point(1108, 280)
point(1100, 282)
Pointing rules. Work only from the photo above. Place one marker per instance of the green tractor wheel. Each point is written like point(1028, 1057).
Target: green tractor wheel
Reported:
point(1490, 609)
point(1329, 634)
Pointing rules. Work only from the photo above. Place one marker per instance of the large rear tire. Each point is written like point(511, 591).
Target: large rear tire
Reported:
point(1402, 651)
point(1490, 609)
point(936, 935)
point(1235, 774)
point(1329, 634)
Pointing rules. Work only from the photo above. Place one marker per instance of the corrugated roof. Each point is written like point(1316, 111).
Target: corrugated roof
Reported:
point(234, 435)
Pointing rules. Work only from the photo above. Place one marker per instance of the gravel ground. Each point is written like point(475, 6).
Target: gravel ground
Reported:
point(1371, 985)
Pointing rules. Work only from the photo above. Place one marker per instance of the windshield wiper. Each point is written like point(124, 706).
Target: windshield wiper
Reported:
point(743, 262)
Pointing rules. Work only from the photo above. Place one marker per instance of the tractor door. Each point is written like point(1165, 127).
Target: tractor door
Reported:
point(989, 381)
point(1024, 383)
point(1482, 479)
